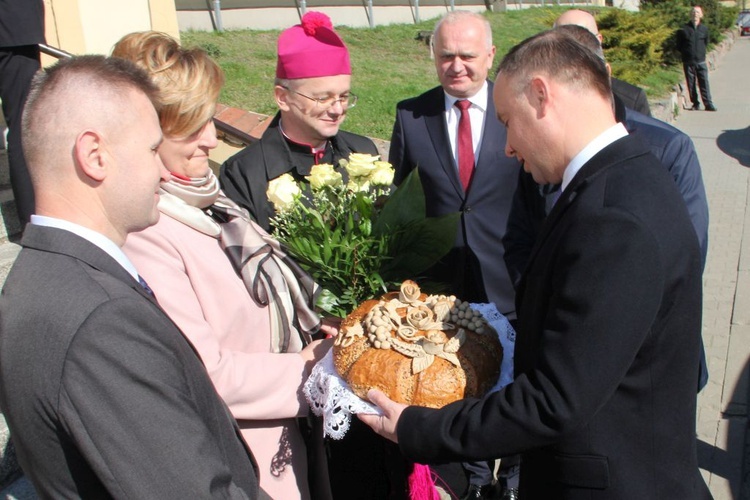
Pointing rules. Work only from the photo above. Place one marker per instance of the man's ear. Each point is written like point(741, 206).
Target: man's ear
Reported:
point(609, 69)
point(90, 155)
point(539, 94)
point(281, 95)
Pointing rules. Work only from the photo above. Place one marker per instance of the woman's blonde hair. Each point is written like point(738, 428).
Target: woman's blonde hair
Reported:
point(189, 80)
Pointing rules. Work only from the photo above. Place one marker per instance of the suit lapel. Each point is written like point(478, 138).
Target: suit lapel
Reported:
point(63, 242)
point(54, 240)
point(609, 157)
point(438, 132)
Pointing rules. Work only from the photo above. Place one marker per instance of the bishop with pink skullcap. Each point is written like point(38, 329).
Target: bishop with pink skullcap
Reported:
point(312, 49)
point(313, 92)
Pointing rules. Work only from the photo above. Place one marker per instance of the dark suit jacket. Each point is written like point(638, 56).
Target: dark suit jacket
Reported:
point(633, 97)
point(609, 319)
point(103, 395)
point(692, 42)
point(21, 22)
point(244, 177)
point(475, 267)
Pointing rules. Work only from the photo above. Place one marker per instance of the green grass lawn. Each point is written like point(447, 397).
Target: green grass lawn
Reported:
point(388, 63)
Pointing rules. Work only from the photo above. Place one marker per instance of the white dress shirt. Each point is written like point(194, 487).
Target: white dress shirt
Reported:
point(603, 140)
point(477, 112)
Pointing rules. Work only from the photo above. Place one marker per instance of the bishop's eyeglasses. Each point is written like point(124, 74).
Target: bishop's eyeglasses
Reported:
point(347, 101)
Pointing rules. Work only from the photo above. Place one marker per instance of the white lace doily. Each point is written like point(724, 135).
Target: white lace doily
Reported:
point(330, 396)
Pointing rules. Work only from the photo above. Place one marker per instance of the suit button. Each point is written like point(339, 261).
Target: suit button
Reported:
point(467, 210)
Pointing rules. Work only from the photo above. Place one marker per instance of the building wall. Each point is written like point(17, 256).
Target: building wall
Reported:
point(93, 26)
point(280, 18)
point(276, 14)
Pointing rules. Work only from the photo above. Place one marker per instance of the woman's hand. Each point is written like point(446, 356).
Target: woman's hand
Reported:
point(314, 352)
point(330, 326)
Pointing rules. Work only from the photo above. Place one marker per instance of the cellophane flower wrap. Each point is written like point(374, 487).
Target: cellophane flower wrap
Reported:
point(361, 238)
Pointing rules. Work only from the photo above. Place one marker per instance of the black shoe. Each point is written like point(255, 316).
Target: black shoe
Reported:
point(696, 107)
point(483, 492)
point(510, 494)
point(710, 107)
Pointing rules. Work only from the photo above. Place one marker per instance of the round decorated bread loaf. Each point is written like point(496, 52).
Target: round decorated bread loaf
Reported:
point(418, 349)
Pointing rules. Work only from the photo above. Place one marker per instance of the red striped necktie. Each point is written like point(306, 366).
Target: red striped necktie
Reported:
point(465, 144)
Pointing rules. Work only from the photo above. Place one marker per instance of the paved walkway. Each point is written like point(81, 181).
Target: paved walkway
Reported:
point(722, 140)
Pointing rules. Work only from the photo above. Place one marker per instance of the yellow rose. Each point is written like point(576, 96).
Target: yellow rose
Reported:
point(360, 165)
point(324, 175)
point(282, 192)
point(358, 184)
point(382, 175)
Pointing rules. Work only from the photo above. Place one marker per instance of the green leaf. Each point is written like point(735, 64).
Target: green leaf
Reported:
point(330, 303)
point(419, 245)
point(406, 204)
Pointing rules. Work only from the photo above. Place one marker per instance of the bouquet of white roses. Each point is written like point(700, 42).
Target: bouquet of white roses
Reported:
point(355, 239)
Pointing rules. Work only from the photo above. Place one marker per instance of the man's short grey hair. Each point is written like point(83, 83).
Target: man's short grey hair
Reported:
point(460, 15)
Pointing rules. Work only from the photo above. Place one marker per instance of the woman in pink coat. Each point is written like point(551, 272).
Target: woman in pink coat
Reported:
point(243, 304)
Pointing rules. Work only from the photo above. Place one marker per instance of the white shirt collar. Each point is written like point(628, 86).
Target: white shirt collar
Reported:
point(479, 99)
point(603, 140)
point(105, 244)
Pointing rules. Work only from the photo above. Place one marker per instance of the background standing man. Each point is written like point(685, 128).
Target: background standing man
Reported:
point(603, 404)
point(692, 40)
point(428, 134)
point(103, 395)
point(313, 92)
point(21, 32)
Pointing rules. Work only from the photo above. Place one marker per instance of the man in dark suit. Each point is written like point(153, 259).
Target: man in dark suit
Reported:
point(609, 310)
point(426, 135)
point(631, 96)
point(21, 32)
point(671, 147)
point(103, 395)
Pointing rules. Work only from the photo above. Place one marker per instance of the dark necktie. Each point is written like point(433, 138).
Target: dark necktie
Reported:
point(465, 144)
point(145, 286)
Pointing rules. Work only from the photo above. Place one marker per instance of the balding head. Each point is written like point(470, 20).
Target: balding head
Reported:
point(584, 37)
point(90, 133)
point(579, 18)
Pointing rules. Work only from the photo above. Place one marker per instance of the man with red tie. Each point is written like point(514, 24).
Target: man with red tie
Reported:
point(451, 134)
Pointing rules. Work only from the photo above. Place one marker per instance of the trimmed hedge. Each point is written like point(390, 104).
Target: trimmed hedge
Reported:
point(638, 44)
